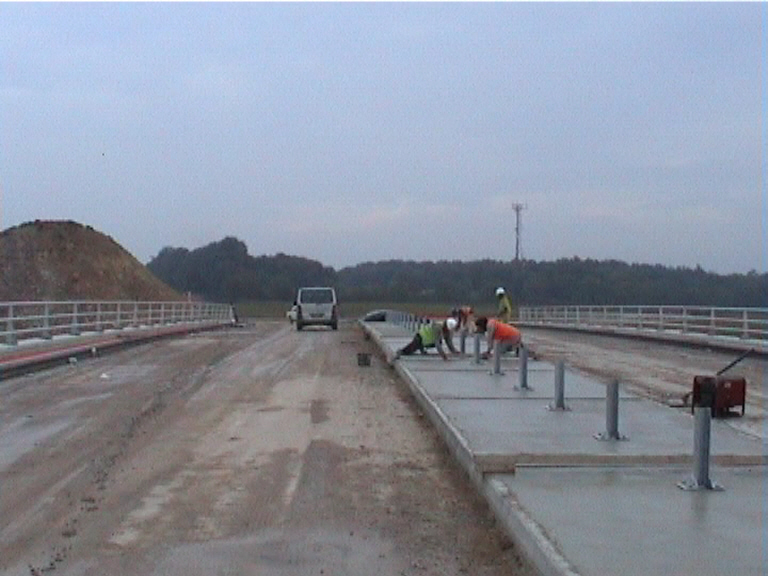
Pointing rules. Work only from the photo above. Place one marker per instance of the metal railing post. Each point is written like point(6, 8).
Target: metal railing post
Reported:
point(524, 368)
point(559, 403)
point(47, 321)
point(10, 332)
point(99, 327)
point(700, 479)
point(497, 358)
point(611, 413)
point(744, 324)
point(75, 326)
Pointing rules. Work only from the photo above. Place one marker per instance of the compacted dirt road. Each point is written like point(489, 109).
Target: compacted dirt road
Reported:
point(661, 371)
point(258, 450)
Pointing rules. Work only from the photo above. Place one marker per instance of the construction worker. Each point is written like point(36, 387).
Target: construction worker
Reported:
point(465, 317)
point(505, 306)
point(497, 331)
point(432, 335)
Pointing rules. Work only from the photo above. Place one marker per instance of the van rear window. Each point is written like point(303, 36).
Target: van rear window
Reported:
point(317, 296)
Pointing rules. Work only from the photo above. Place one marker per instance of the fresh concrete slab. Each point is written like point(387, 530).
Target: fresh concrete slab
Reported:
point(580, 505)
point(637, 520)
point(461, 377)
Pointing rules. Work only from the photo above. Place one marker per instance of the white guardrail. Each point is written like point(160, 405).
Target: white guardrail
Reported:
point(748, 326)
point(45, 320)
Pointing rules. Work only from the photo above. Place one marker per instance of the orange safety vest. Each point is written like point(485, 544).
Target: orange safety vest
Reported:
point(504, 331)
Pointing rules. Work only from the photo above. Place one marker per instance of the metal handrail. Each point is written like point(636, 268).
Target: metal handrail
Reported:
point(743, 324)
point(47, 319)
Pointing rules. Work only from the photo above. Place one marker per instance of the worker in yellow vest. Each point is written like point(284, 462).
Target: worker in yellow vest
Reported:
point(495, 330)
point(505, 306)
point(432, 335)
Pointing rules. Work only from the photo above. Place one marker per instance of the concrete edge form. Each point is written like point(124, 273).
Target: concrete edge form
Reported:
point(518, 525)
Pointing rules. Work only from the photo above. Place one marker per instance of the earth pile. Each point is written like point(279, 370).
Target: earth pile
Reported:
point(64, 260)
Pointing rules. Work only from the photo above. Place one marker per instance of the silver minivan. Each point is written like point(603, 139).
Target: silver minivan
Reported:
point(317, 305)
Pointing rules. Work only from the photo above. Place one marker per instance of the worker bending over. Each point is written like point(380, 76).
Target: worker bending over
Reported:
point(497, 331)
point(432, 335)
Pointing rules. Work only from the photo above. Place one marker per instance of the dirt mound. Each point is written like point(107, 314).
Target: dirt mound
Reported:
point(55, 260)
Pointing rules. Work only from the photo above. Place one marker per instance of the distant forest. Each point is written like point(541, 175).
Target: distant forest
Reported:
point(224, 272)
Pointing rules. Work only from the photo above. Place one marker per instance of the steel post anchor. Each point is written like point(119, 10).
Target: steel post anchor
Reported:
point(559, 404)
point(611, 414)
point(523, 352)
point(700, 479)
point(497, 359)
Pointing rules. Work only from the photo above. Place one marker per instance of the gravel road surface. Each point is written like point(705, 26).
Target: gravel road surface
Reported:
point(258, 450)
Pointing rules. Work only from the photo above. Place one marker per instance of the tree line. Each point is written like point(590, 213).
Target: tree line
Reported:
point(224, 272)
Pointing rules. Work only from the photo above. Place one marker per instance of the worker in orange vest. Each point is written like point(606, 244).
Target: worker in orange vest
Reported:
point(495, 330)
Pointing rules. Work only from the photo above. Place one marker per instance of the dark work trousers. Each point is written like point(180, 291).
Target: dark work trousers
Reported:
point(413, 346)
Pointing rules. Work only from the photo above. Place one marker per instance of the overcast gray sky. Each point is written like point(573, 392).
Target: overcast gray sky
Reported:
point(363, 132)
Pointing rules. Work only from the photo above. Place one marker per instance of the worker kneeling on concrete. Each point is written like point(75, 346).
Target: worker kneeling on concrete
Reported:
point(507, 335)
point(432, 335)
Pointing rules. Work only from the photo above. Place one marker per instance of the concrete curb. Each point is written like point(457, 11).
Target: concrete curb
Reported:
point(519, 526)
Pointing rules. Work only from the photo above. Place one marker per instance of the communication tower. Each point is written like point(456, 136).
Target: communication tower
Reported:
point(518, 208)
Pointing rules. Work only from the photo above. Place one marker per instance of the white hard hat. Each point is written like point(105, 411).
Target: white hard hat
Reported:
point(499, 291)
point(451, 323)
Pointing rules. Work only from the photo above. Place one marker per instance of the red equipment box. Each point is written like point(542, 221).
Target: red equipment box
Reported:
point(721, 393)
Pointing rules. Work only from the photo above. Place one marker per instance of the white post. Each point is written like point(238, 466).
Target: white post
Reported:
point(47, 322)
point(10, 332)
point(75, 327)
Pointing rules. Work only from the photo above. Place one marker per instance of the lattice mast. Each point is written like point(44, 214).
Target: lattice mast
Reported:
point(518, 208)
